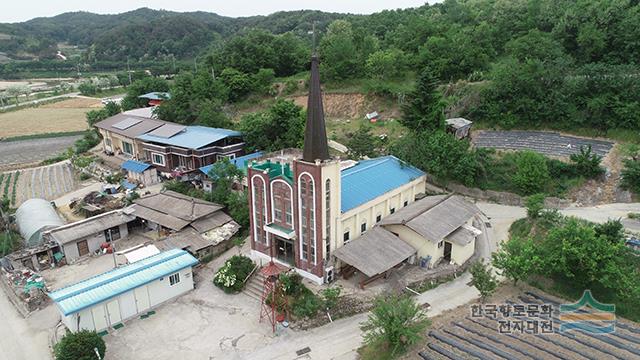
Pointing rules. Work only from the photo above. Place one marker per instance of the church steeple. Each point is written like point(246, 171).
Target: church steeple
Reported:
point(315, 136)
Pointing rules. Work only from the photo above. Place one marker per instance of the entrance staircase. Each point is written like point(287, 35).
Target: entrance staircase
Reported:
point(254, 286)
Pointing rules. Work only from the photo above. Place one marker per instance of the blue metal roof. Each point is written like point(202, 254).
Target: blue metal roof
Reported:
point(240, 162)
point(193, 137)
point(135, 166)
point(97, 289)
point(371, 178)
point(156, 96)
point(127, 185)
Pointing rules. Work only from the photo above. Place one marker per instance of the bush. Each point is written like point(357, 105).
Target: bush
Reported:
point(532, 173)
point(80, 346)
point(535, 205)
point(231, 275)
point(395, 320)
point(483, 279)
point(587, 163)
point(631, 175)
point(330, 296)
point(306, 304)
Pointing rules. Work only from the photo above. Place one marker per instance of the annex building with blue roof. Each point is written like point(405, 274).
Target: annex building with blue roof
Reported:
point(115, 296)
point(304, 208)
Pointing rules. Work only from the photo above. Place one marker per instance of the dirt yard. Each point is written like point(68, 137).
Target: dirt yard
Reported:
point(64, 116)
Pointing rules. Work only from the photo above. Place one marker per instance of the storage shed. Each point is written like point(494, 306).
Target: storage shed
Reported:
point(34, 217)
point(141, 173)
point(110, 298)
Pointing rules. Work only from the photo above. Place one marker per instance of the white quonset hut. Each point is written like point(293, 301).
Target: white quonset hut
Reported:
point(34, 217)
point(110, 298)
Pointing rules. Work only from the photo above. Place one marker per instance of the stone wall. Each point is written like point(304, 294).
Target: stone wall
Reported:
point(499, 197)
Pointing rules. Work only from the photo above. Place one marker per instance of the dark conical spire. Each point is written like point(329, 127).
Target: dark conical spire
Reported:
point(315, 135)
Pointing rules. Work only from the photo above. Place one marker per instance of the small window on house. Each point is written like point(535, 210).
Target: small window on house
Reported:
point(363, 227)
point(174, 279)
point(157, 159)
point(127, 148)
point(378, 218)
point(440, 244)
point(406, 202)
point(345, 237)
point(392, 210)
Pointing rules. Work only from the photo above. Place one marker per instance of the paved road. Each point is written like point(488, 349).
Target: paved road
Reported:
point(547, 143)
point(29, 151)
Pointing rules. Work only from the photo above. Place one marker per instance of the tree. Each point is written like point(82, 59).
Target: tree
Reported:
point(483, 279)
point(238, 205)
point(80, 346)
point(532, 174)
point(612, 230)
point(141, 87)
point(224, 174)
point(211, 114)
point(87, 88)
point(534, 205)
point(441, 155)
point(262, 81)
point(386, 64)
point(631, 175)
point(396, 321)
point(587, 163)
point(238, 83)
point(281, 126)
point(338, 50)
point(363, 143)
point(517, 259)
point(423, 110)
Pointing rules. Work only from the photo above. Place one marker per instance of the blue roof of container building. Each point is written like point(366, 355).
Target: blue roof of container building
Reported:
point(193, 137)
point(240, 162)
point(156, 96)
point(371, 178)
point(97, 289)
point(135, 166)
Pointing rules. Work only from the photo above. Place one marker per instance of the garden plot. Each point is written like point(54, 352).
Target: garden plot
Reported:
point(479, 337)
point(46, 182)
point(546, 143)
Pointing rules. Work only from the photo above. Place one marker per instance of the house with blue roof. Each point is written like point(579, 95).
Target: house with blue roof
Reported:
point(177, 149)
point(241, 162)
point(305, 209)
point(139, 172)
point(109, 299)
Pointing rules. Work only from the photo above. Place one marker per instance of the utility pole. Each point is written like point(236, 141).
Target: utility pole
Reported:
point(195, 63)
point(173, 57)
point(213, 73)
point(128, 70)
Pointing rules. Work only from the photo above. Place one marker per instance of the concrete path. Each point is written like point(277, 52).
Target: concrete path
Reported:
point(602, 213)
point(25, 339)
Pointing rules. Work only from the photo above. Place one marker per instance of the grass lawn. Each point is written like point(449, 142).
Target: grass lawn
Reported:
point(60, 117)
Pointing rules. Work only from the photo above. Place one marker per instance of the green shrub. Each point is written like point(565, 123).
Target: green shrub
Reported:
point(231, 275)
point(330, 296)
point(532, 173)
point(306, 304)
point(631, 175)
point(587, 163)
point(291, 283)
point(80, 346)
point(534, 205)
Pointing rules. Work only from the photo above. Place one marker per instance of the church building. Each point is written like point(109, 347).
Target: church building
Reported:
point(303, 209)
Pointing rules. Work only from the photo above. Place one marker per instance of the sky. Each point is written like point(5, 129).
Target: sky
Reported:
point(17, 11)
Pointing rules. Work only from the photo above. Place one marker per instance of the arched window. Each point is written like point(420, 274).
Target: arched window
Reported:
point(327, 205)
point(306, 193)
point(259, 210)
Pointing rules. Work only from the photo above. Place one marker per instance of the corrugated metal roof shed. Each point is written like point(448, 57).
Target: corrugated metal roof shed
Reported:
point(433, 217)
point(375, 251)
point(135, 166)
point(240, 162)
point(212, 221)
point(83, 228)
point(178, 205)
point(34, 217)
point(97, 289)
point(371, 178)
point(193, 137)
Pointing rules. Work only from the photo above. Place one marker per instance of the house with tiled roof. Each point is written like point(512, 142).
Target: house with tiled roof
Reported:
point(305, 208)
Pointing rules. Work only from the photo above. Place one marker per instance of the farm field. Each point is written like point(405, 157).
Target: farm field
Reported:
point(45, 182)
point(64, 116)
